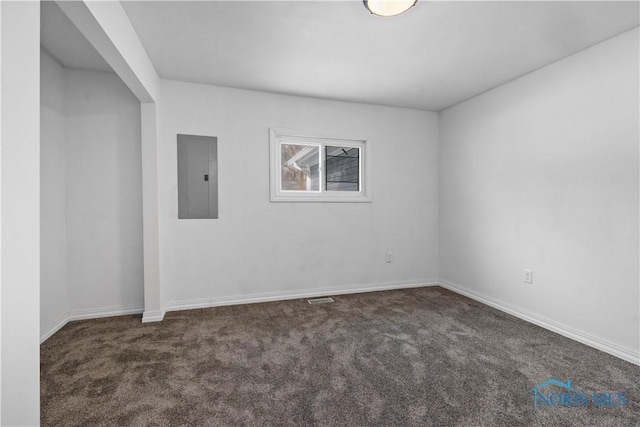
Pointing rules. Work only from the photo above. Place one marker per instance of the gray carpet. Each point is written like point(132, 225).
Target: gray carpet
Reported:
point(418, 357)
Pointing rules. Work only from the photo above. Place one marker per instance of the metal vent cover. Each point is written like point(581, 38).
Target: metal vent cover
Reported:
point(324, 300)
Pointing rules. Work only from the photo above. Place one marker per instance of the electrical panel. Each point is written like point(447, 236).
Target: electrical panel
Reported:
point(197, 176)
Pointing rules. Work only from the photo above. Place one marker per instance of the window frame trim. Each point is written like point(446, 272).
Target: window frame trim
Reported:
point(278, 136)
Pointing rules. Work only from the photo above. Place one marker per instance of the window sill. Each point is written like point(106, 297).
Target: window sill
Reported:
point(320, 199)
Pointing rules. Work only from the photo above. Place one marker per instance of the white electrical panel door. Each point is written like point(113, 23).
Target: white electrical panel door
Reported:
point(197, 177)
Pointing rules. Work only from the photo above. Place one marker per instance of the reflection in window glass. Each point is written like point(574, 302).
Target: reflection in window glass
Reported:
point(343, 168)
point(300, 167)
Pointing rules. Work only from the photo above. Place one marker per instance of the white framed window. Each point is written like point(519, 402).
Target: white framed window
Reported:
point(318, 168)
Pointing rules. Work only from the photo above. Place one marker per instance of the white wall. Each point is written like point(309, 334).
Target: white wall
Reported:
point(91, 202)
point(20, 213)
point(103, 189)
point(258, 247)
point(542, 174)
point(54, 305)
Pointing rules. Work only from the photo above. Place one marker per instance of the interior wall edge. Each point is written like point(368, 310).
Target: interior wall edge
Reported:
point(63, 320)
point(624, 353)
point(103, 312)
point(87, 315)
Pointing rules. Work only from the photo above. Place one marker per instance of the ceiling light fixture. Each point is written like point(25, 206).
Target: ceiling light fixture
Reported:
point(388, 7)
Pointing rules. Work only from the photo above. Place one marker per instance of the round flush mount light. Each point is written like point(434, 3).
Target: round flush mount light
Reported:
point(388, 7)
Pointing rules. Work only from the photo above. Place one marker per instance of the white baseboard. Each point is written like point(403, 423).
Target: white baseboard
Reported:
point(623, 353)
point(64, 319)
point(153, 316)
point(158, 315)
point(87, 314)
point(288, 295)
point(103, 312)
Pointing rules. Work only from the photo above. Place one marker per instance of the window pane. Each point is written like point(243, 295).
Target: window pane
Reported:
point(300, 167)
point(343, 168)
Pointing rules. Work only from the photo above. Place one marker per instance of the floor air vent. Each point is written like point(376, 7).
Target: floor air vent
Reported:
point(325, 300)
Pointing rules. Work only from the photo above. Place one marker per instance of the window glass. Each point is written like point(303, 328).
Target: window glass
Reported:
point(300, 167)
point(343, 168)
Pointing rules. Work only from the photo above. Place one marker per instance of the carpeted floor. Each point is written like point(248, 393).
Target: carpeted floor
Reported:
point(418, 357)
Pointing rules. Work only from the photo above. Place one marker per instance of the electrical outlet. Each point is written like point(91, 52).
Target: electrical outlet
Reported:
point(389, 256)
point(528, 276)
